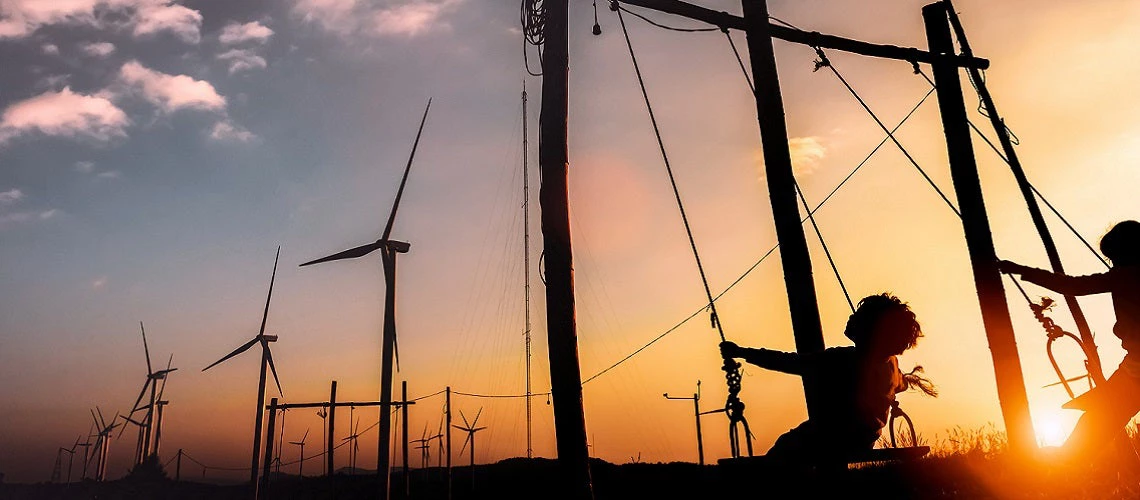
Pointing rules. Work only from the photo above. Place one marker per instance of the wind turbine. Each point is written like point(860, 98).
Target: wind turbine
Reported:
point(424, 447)
point(352, 450)
point(56, 470)
point(301, 443)
point(470, 429)
point(266, 360)
point(388, 251)
point(102, 442)
point(152, 378)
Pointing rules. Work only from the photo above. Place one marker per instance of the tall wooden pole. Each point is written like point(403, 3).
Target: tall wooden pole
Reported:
point(447, 416)
point(1094, 366)
point(700, 439)
point(330, 469)
point(258, 421)
point(782, 191)
point(979, 241)
point(404, 436)
point(387, 354)
point(263, 487)
point(562, 336)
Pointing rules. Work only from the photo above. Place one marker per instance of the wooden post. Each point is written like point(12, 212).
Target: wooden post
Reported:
point(404, 435)
point(979, 241)
point(1094, 366)
point(388, 350)
point(781, 188)
point(562, 336)
point(697, 415)
point(258, 421)
point(263, 488)
point(178, 466)
point(330, 471)
point(447, 416)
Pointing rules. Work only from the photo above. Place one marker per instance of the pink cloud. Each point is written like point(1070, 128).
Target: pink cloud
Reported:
point(65, 114)
point(227, 131)
point(98, 49)
point(21, 18)
point(171, 92)
point(242, 60)
point(153, 18)
point(401, 18)
point(253, 31)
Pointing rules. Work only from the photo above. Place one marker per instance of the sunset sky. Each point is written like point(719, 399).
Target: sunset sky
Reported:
point(154, 154)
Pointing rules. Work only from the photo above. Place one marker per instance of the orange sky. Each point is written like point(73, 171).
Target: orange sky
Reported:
point(1062, 74)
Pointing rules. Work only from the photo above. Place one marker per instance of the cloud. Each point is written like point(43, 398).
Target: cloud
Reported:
point(97, 49)
point(228, 131)
point(242, 60)
point(27, 216)
point(21, 18)
point(253, 31)
point(183, 23)
point(11, 196)
point(806, 152)
point(50, 49)
point(171, 92)
point(110, 174)
point(64, 113)
point(406, 18)
point(85, 167)
point(99, 283)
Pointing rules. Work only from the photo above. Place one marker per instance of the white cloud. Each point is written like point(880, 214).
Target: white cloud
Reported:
point(27, 216)
point(171, 92)
point(242, 60)
point(110, 174)
point(85, 167)
point(50, 49)
point(99, 283)
point(64, 113)
point(21, 18)
point(10, 196)
point(97, 49)
point(253, 31)
point(182, 22)
point(407, 18)
point(228, 131)
point(806, 152)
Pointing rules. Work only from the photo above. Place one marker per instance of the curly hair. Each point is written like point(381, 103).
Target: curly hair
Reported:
point(1122, 243)
point(885, 319)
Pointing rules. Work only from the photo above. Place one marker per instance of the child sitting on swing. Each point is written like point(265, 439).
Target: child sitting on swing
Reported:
point(1111, 405)
point(860, 382)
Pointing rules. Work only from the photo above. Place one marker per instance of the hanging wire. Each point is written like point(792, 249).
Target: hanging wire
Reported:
point(532, 17)
point(615, 6)
point(822, 243)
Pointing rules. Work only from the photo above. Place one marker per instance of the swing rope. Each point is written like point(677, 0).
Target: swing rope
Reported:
point(734, 407)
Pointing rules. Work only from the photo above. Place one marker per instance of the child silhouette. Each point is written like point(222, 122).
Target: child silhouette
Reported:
point(1110, 406)
point(860, 381)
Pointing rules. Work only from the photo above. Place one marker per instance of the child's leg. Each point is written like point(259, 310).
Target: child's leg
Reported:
point(1104, 420)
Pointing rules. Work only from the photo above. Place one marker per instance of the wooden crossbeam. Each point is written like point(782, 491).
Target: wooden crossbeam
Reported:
point(325, 404)
point(809, 38)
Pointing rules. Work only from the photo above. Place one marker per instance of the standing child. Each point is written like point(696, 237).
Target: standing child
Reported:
point(860, 381)
point(1112, 404)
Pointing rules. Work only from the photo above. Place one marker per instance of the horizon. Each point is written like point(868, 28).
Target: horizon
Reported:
point(155, 153)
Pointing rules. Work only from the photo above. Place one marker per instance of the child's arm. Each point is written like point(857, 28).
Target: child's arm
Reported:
point(1060, 283)
point(786, 362)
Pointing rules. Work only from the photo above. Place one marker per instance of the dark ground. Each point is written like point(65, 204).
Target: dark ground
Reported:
point(957, 476)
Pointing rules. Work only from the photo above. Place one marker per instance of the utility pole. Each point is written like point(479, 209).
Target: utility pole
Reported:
point(782, 191)
point(979, 240)
point(561, 328)
point(697, 415)
point(1094, 367)
point(330, 469)
point(526, 274)
point(447, 416)
point(263, 488)
point(404, 435)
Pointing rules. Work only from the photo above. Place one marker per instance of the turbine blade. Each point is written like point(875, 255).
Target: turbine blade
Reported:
point(135, 407)
point(272, 368)
point(461, 448)
point(404, 180)
point(146, 349)
point(464, 417)
point(351, 253)
point(477, 429)
point(473, 422)
point(165, 372)
point(305, 436)
point(235, 352)
point(272, 278)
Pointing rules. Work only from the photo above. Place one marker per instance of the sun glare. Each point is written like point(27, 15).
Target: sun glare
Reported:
point(1051, 430)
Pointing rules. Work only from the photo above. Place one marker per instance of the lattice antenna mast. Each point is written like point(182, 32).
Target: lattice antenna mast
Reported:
point(526, 275)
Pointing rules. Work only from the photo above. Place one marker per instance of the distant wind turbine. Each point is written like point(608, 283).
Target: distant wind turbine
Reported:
point(146, 429)
point(355, 446)
point(470, 429)
point(388, 251)
point(266, 360)
point(102, 442)
point(301, 443)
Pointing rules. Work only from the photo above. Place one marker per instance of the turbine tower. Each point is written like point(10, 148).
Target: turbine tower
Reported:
point(301, 443)
point(470, 429)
